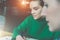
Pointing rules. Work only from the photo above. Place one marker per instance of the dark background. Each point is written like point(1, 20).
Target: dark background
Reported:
point(14, 13)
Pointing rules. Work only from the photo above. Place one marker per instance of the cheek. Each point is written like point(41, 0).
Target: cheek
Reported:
point(52, 8)
point(38, 11)
point(51, 11)
point(44, 11)
point(54, 21)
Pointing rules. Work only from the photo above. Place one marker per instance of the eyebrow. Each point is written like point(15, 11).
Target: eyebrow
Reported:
point(35, 8)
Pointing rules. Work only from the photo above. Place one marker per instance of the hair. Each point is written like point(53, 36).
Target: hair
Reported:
point(40, 2)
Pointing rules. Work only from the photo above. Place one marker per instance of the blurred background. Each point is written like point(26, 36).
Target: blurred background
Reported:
point(12, 13)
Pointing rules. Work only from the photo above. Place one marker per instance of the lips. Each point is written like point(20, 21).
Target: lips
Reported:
point(34, 15)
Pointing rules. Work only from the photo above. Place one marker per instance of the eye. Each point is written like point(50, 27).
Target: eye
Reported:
point(58, 1)
point(45, 4)
point(36, 8)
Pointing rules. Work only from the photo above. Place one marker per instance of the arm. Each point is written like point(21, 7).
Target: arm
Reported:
point(20, 29)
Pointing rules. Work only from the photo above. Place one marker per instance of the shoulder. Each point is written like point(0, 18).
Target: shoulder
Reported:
point(29, 17)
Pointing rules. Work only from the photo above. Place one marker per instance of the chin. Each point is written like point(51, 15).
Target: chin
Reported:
point(51, 28)
point(54, 29)
point(35, 18)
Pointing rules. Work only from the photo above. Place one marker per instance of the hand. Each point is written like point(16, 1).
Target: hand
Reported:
point(20, 38)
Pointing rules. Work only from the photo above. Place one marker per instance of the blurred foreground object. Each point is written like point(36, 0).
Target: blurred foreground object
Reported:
point(5, 35)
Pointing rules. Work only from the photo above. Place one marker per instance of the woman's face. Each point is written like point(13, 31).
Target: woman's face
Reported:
point(52, 10)
point(35, 9)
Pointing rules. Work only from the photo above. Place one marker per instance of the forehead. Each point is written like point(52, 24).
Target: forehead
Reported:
point(53, 3)
point(50, 1)
point(34, 4)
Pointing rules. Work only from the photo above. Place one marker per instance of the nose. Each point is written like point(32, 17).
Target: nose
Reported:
point(32, 12)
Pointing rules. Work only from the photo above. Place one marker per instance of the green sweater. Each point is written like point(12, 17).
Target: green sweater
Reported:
point(37, 29)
